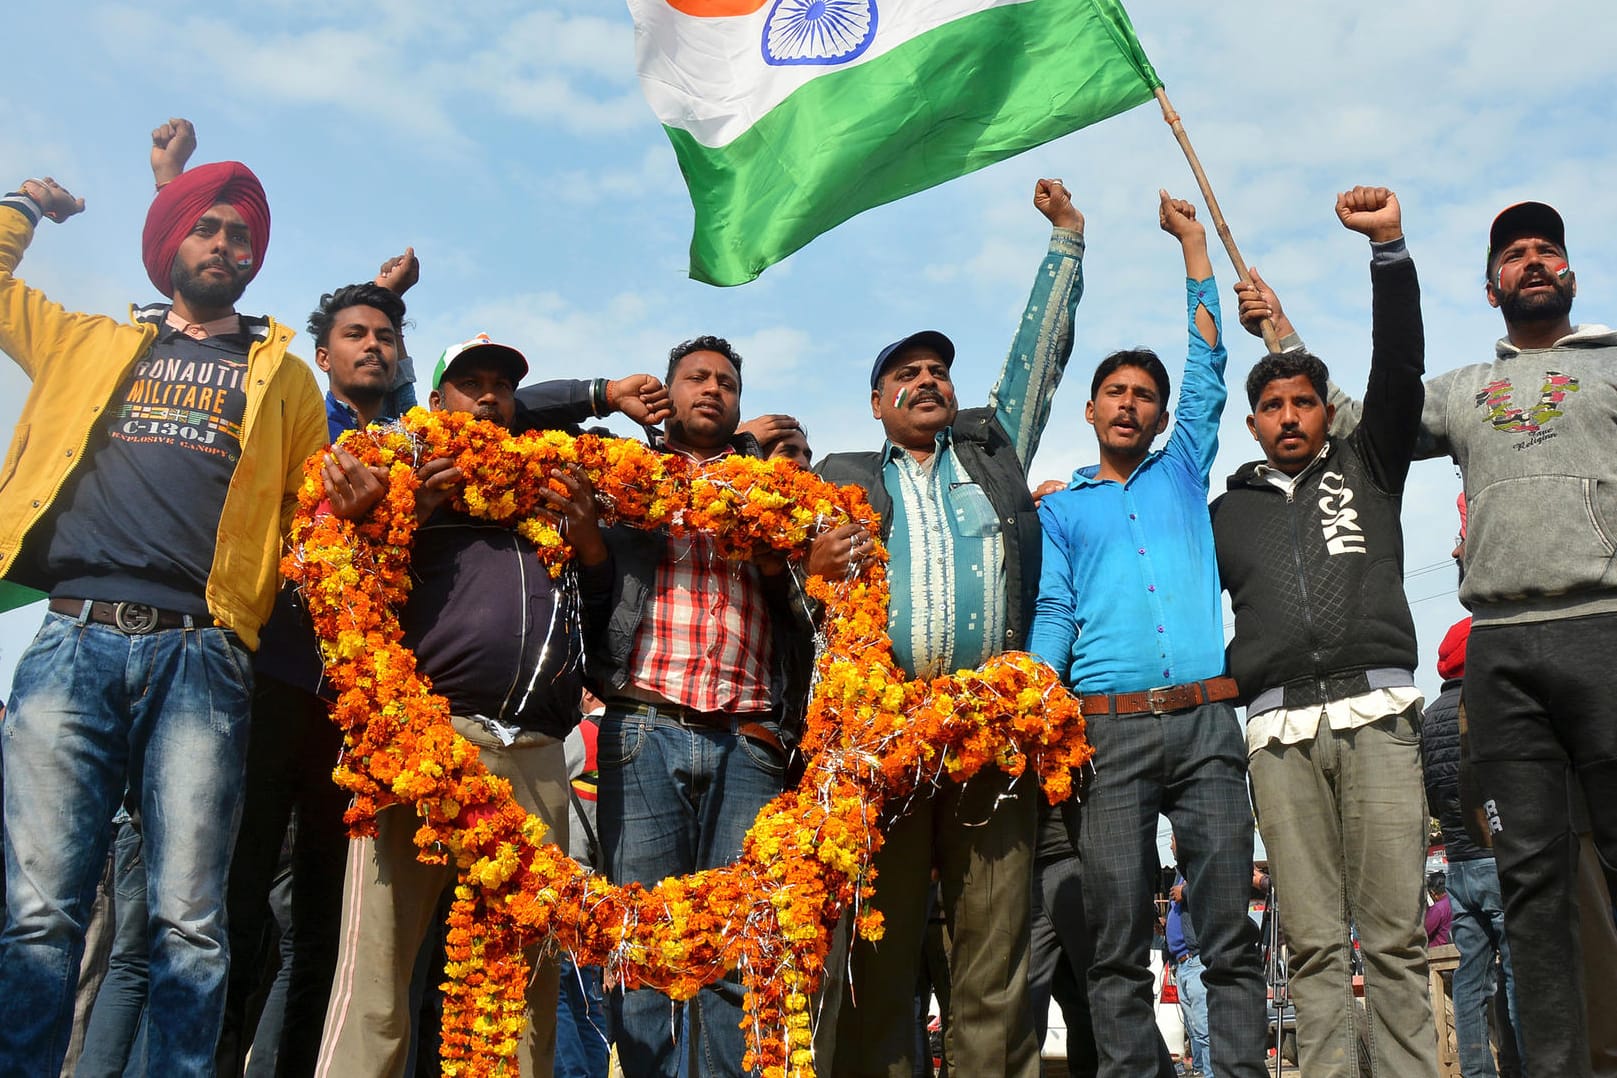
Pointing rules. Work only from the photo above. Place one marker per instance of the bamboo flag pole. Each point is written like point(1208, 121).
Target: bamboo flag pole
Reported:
point(1271, 339)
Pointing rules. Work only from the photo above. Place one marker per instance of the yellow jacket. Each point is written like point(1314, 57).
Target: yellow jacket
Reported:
point(77, 362)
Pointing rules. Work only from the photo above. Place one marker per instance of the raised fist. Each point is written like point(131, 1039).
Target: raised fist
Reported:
point(173, 143)
point(1372, 211)
point(1052, 199)
point(1177, 218)
point(400, 272)
point(54, 200)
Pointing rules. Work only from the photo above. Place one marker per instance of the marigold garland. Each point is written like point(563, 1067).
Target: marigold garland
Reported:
point(872, 738)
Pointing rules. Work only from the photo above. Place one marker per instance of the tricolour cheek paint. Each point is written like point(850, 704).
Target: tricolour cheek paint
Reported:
point(1562, 271)
point(244, 262)
point(900, 397)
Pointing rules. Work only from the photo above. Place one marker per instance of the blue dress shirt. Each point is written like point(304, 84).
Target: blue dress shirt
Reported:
point(1129, 592)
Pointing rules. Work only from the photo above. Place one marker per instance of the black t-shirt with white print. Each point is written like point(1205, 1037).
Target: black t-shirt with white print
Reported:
point(141, 520)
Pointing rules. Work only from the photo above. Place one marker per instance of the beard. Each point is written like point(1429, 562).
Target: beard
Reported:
point(1541, 307)
point(207, 295)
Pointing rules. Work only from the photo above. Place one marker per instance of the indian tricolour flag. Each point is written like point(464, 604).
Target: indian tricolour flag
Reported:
point(790, 116)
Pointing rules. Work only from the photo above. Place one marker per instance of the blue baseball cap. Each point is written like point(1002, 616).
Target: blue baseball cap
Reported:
point(929, 339)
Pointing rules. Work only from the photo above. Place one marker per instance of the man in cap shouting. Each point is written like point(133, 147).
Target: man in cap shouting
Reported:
point(149, 483)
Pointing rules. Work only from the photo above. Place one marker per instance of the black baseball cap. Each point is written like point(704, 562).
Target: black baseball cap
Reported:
point(927, 338)
point(1525, 219)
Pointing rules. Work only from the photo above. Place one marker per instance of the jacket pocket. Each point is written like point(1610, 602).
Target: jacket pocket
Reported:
point(1540, 535)
point(19, 442)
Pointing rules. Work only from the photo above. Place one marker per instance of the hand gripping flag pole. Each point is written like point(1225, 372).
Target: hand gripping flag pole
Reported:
point(1271, 339)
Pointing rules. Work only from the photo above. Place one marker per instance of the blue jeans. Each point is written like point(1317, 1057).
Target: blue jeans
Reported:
point(91, 710)
point(674, 799)
point(1479, 933)
point(581, 1035)
point(113, 1043)
point(1191, 767)
point(1193, 1009)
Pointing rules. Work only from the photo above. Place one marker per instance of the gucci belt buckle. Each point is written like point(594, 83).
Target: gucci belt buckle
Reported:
point(134, 619)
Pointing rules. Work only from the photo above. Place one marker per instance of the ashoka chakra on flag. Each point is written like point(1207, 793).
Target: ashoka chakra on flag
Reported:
point(818, 31)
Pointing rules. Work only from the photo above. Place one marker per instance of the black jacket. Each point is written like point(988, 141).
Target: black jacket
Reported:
point(559, 404)
point(1440, 764)
point(636, 553)
point(491, 629)
point(1316, 578)
point(986, 453)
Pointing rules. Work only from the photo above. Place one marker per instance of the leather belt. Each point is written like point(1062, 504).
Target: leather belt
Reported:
point(131, 619)
point(708, 720)
point(1164, 700)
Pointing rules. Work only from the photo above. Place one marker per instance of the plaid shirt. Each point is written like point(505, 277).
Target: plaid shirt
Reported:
point(704, 642)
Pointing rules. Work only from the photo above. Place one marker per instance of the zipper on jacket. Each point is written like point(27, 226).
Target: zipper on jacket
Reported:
point(522, 644)
point(1302, 578)
point(89, 432)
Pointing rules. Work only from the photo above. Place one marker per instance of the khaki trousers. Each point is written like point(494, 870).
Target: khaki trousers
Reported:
point(980, 837)
point(389, 899)
point(1344, 819)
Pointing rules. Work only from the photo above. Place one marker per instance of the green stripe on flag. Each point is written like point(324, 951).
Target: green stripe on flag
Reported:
point(972, 92)
point(14, 595)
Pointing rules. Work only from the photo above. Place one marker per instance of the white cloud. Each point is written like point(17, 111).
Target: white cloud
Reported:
point(656, 170)
point(428, 71)
point(774, 358)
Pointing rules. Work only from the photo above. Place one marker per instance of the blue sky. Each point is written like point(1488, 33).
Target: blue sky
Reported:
point(509, 143)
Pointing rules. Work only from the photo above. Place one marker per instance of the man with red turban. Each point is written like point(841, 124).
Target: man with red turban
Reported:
point(181, 204)
point(148, 486)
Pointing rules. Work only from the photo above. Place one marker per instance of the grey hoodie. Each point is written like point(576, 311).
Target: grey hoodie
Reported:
point(1535, 436)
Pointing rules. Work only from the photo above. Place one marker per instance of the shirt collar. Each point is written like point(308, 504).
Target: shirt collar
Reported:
point(201, 331)
point(940, 442)
point(340, 416)
point(1269, 474)
point(740, 444)
point(662, 445)
point(1087, 475)
point(156, 315)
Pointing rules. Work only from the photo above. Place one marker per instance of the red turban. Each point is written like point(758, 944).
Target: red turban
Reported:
point(1451, 652)
point(180, 204)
